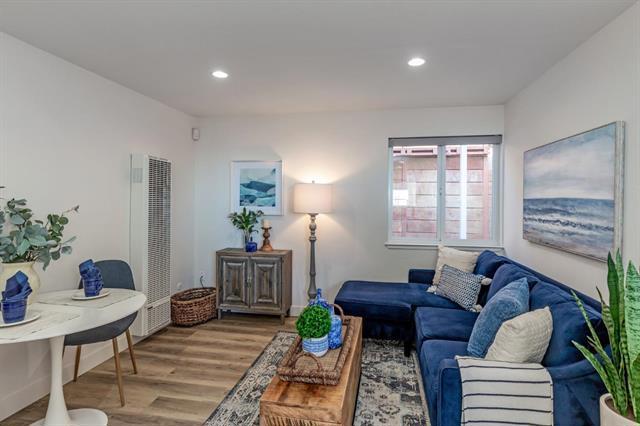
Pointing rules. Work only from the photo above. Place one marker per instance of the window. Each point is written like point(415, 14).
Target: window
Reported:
point(444, 190)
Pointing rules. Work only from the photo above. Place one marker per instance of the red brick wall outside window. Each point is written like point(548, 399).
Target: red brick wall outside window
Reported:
point(468, 193)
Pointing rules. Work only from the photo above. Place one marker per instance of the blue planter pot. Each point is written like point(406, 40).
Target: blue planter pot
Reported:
point(14, 311)
point(316, 346)
point(251, 247)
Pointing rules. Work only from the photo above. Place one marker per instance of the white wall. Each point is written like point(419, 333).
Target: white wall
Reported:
point(597, 83)
point(347, 149)
point(65, 138)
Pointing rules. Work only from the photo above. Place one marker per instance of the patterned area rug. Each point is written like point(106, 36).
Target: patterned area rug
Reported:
point(390, 390)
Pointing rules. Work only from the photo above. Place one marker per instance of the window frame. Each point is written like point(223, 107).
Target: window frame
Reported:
point(496, 189)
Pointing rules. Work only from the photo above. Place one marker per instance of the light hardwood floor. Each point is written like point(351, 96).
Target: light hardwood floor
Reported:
point(183, 373)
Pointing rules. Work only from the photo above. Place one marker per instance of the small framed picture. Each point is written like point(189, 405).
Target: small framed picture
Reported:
point(257, 185)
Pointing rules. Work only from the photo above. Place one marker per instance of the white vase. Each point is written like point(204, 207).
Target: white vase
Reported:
point(609, 416)
point(10, 269)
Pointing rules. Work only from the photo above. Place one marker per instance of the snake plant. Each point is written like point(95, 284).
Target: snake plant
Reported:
point(619, 371)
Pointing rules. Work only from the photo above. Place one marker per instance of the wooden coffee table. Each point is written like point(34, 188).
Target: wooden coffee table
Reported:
point(302, 404)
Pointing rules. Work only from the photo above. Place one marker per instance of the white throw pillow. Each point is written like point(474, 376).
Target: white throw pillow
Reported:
point(524, 338)
point(463, 260)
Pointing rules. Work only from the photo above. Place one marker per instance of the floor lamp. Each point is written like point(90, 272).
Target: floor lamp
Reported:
point(312, 199)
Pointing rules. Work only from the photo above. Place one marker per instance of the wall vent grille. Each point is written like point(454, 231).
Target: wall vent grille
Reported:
point(150, 243)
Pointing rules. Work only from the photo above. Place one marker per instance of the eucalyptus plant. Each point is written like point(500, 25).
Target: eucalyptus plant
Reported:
point(246, 220)
point(32, 240)
point(620, 372)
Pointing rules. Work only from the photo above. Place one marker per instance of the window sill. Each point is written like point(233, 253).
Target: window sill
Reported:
point(413, 245)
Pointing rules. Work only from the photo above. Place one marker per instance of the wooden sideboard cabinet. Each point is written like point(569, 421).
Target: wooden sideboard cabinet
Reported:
point(258, 282)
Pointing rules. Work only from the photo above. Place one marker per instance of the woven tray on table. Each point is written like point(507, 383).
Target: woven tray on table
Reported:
point(300, 366)
point(193, 306)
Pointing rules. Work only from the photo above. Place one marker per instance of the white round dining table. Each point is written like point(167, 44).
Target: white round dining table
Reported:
point(88, 318)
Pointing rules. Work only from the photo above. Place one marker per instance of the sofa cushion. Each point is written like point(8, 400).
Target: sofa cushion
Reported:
point(568, 323)
point(488, 263)
point(393, 302)
point(509, 302)
point(433, 352)
point(376, 300)
point(443, 324)
point(506, 274)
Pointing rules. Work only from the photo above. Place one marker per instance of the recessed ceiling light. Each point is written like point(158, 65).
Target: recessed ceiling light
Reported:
point(416, 62)
point(219, 74)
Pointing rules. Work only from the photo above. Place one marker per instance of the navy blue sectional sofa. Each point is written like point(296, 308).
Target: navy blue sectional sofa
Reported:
point(440, 329)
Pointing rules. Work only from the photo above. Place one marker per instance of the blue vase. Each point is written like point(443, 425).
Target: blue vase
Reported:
point(335, 334)
point(251, 247)
point(86, 266)
point(14, 311)
point(317, 347)
point(91, 286)
point(320, 301)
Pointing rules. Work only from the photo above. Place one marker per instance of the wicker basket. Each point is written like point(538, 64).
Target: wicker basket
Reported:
point(193, 306)
point(300, 366)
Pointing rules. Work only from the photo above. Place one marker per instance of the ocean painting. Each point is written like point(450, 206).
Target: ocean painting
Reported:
point(257, 185)
point(572, 192)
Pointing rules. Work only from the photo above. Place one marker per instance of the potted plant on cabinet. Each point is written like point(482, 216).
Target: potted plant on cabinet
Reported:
point(245, 221)
point(620, 372)
point(313, 325)
point(28, 240)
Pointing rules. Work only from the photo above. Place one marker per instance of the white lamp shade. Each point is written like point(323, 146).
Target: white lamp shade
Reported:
point(312, 198)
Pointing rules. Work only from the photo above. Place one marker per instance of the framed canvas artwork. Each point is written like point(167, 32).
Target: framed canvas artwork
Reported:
point(257, 185)
point(573, 192)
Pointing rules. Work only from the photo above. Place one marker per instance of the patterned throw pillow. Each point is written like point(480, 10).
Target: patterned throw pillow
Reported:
point(460, 286)
point(524, 338)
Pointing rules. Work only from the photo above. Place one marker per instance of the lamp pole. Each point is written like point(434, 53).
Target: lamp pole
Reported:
point(312, 262)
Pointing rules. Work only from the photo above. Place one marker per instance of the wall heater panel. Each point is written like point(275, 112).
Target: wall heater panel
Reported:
point(150, 243)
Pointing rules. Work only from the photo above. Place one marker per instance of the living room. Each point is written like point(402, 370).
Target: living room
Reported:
point(343, 94)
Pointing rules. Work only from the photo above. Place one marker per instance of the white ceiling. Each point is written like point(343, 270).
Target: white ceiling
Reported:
point(295, 56)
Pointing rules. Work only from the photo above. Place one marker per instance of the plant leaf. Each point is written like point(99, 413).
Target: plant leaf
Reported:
point(632, 329)
point(634, 385)
point(23, 247)
point(17, 219)
point(614, 284)
point(612, 330)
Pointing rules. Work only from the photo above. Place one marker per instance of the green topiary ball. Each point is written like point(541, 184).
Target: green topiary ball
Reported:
point(314, 322)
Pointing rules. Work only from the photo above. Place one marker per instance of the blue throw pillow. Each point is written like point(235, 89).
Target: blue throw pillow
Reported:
point(509, 302)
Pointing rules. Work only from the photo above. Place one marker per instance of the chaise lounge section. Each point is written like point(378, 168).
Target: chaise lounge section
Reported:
point(440, 329)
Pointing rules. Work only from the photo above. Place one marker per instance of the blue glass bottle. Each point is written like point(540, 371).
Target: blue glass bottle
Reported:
point(320, 301)
point(335, 334)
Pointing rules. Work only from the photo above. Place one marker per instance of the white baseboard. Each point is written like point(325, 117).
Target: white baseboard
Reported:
point(92, 355)
point(295, 310)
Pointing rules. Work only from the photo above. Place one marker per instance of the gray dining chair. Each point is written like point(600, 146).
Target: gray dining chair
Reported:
point(116, 274)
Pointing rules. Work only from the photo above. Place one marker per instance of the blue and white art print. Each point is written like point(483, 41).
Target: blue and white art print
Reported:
point(257, 185)
point(573, 192)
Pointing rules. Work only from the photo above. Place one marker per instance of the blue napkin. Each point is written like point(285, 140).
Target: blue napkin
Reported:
point(17, 288)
